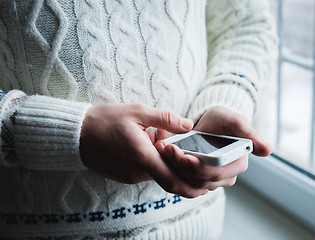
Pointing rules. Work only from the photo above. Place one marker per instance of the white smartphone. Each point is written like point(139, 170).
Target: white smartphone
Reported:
point(214, 150)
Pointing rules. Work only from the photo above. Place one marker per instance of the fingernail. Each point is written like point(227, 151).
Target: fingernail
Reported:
point(187, 123)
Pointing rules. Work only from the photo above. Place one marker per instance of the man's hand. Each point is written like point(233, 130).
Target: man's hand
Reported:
point(218, 120)
point(114, 143)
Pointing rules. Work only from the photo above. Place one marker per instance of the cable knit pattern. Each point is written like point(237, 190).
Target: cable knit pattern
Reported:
point(6, 60)
point(185, 57)
point(127, 53)
point(77, 177)
point(156, 51)
point(51, 50)
point(97, 68)
point(57, 58)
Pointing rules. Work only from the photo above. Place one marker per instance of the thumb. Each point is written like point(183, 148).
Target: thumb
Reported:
point(164, 120)
point(261, 148)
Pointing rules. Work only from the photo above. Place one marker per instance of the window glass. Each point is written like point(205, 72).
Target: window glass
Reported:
point(297, 27)
point(295, 114)
point(286, 113)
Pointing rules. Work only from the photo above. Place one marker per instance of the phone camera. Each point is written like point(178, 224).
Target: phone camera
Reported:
point(248, 148)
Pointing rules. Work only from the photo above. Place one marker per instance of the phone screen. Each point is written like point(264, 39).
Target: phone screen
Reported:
point(203, 143)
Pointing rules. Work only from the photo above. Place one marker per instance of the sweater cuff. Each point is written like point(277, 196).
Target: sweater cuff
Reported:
point(46, 133)
point(8, 102)
point(232, 92)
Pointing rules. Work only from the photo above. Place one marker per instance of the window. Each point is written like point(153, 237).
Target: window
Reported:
point(296, 86)
point(287, 117)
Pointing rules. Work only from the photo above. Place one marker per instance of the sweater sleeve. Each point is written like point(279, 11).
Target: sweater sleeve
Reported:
point(40, 132)
point(242, 47)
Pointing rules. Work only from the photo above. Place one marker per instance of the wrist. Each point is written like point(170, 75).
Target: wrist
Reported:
point(84, 135)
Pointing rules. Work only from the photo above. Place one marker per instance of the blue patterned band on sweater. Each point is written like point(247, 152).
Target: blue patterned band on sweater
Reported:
point(96, 216)
point(241, 76)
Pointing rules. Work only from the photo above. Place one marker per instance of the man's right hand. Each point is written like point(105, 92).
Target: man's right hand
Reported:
point(114, 143)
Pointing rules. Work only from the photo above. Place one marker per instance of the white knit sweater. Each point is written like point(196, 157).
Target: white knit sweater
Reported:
point(59, 57)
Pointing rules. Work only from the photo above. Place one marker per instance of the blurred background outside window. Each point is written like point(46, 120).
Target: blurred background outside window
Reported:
point(287, 116)
point(286, 120)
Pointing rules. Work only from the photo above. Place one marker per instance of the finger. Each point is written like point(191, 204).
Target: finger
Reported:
point(231, 123)
point(162, 119)
point(237, 125)
point(167, 179)
point(192, 169)
point(173, 152)
point(217, 174)
point(160, 145)
point(161, 134)
point(261, 148)
point(228, 171)
point(189, 168)
point(152, 134)
point(203, 184)
point(181, 163)
point(224, 183)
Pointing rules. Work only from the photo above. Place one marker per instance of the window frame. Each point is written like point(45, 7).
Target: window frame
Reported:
point(285, 185)
point(280, 183)
point(306, 64)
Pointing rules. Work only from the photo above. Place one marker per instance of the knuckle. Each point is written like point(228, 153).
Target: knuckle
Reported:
point(189, 193)
point(212, 187)
point(217, 177)
point(171, 187)
point(139, 107)
point(168, 118)
point(182, 191)
point(231, 182)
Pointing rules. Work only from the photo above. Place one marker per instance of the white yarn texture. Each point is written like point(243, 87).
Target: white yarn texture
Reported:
point(58, 58)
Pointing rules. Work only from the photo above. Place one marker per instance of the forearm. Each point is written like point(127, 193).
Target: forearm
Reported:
point(245, 44)
point(242, 46)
